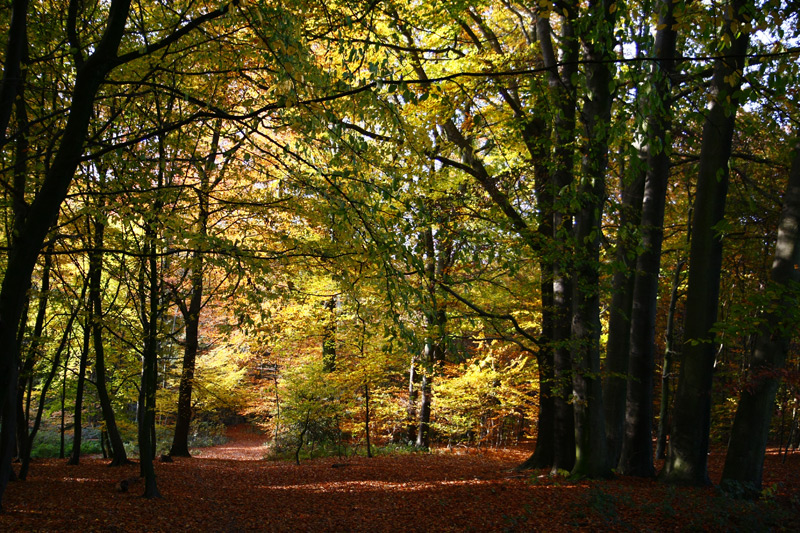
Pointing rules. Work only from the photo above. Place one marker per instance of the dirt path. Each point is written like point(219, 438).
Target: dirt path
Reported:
point(244, 444)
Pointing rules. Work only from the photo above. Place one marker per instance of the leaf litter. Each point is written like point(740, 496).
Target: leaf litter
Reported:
point(232, 488)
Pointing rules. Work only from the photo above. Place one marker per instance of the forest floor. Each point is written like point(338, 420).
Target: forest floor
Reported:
point(232, 488)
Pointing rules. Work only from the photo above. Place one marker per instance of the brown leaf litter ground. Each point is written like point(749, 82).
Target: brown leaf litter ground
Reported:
point(231, 488)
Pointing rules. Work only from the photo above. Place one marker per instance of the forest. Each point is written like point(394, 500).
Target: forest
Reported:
point(365, 226)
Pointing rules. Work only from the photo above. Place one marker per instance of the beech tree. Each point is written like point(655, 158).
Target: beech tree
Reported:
point(687, 454)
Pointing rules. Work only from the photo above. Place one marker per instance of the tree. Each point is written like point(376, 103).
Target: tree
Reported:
point(590, 438)
point(637, 453)
point(689, 437)
point(191, 312)
point(744, 460)
point(93, 61)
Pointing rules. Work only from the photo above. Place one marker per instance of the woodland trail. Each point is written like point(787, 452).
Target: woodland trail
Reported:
point(244, 444)
point(230, 488)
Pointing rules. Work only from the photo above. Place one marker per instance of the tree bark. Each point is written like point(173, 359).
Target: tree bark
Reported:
point(44, 209)
point(191, 313)
point(615, 382)
point(687, 454)
point(666, 370)
point(591, 458)
point(119, 456)
point(636, 458)
point(744, 461)
point(16, 50)
point(75, 456)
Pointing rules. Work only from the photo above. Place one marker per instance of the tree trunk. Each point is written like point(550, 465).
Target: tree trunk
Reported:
point(666, 370)
point(77, 422)
point(423, 431)
point(149, 369)
point(191, 314)
point(180, 439)
point(562, 96)
point(591, 458)
point(636, 458)
point(745, 458)
point(411, 408)
point(615, 382)
point(43, 210)
point(16, 50)
point(119, 456)
point(689, 437)
point(24, 440)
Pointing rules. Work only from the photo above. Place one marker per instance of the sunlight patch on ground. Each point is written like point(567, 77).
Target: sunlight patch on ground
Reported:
point(353, 486)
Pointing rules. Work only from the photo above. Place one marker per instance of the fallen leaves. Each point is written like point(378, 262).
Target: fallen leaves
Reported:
point(230, 488)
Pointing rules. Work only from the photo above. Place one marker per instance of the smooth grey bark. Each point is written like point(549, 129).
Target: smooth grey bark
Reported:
point(591, 458)
point(615, 383)
point(687, 453)
point(744, 461)
point(636, 457)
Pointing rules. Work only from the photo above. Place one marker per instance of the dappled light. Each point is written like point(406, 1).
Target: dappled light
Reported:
point(452, 265)
point(225, 489)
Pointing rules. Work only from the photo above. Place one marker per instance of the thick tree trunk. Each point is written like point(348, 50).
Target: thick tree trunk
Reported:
point(615, 383)
point(689, 437)
point(744, 461)
point(564, 414)
point(544, 453)
point(562, 95)
point(43, 211)
point(636, 458)
point(591, 458)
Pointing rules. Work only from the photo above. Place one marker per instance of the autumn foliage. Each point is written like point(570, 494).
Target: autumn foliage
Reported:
point(233, 488)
